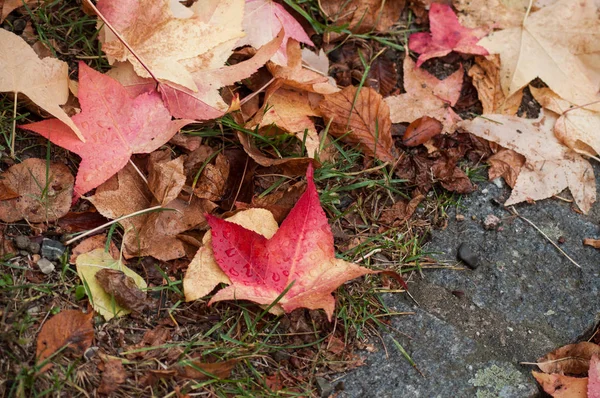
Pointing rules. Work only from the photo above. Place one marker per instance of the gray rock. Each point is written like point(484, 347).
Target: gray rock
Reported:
point(46, 266)
point(52, 249)
point(324, 387)
point(22, 242)
point(467, 256)
point(524, 300)
point(34, 248)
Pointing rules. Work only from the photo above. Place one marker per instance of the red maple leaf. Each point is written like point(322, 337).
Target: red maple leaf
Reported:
point(301, 251)
point(114, 124)
point(447, 35)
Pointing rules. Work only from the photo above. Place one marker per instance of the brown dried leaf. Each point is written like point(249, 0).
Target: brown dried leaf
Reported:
point(40, 199)
point(507, 164)
point(570, 359)
point(383, 76)
point(363, 15)
point(81, 221)
point(421, 130)
point(595, 243)
point(561, 386)
point(152, 338)
point(92, 243)
point(114, 374)
point(6, 193)
point(401, 211)
point(450, 176)
point(279, 203)
point(362, 118)
point(70, 328)
point(205, 371)
point(485, 75)
point(123, 289)
point(213, 180)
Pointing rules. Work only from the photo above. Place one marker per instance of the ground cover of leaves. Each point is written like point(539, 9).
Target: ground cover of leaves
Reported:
point(331, 136)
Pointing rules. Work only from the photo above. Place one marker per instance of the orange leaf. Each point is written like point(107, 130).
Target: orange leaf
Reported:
point(561, 386)
point(572, 358)
point(421, 131)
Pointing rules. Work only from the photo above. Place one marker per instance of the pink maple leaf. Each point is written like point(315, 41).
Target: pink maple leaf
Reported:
point(301, 251)
point(263, 19)
point(447, 35)
point(114, 124)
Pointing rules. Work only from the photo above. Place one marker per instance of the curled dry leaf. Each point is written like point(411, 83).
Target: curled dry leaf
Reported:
point(88, 265)
point(550, 167)
point(71, 328)
point(576, 127)
point(421, 131)
point(426, 96)
point(43, 81)
point(203, 273)
point(360, 117)
point(124, 289)
point(571, 359)
point(485, 75)
point(561, 386)
point(115, 124)
point(363, 16)
point(44, 191)
point(507, 164)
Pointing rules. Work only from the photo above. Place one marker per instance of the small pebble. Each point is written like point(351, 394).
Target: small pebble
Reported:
point(19, 26)
point(460, 217)
point(90, 353)
point(561, 239)
point(33, 310)
point(467, 256)
point(499, 182)
point(34, 248)
point(281, 356)
point(324, 387)
point(491, 222)
point(52, 249)
point(22, 242)
point(46, 266)
point(485, 191)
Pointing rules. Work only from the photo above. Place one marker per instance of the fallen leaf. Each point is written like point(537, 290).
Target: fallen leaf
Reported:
point(447, 35)
point(88, 265)
point(576, 127)
point(485, 75)
point(279, 203)
point(476, 13)
point(547, 45)
point(113, 376)
point(43, 189)
point(426, 96)
point(212, 182)
point(115, 124)
point(401, 211)
point(421, 131)
point(124, 289)
point(92, 243)
point(43, 81)
point(171, 47)
point(6, 193)
point(362, 16)
point(507, 164)
point(549, 168)
point(152, 234)
point(152, 338)
point(203, 273)
point(299, 257)
point(263, 20)
point(360, 117)
point(71, 328)
point(452, 178)
point(79, 221)
point(571, 359)
point(206, 371)
point(594, 377)
point(592, 242)
point(561, 386)
point(9, 6)
point(382, 76)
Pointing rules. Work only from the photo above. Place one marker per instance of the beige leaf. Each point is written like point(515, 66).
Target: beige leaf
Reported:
point(507, 13)
point(576, 127)
point(203, 273)
point(550, 166)
point(43, 81)
point(547, 46)
point(426, 96)
point(486, 79)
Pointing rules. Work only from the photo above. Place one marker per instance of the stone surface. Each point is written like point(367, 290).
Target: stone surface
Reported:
point(22, 242)
point(46, 266)
point(52, 249)
point(472, 328)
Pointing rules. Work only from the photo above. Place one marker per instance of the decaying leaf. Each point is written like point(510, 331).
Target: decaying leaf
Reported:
point(71, 328)
point(115, 125)
point(44, 191)
point(88, 265)
point(299, 257)
point(360, 117)
point(401, 211)
point(447, 35)
point(485, 75)
point(507, 164)
point(152, 234)
point(572, 359)
point(426, 96)
point(203, 273)
point(362, 16)
point(561, 386)
point(547, 45)
point(383, 76)
point(123, 288)
point(43, 81)
point(113, 375)
point(550, 166)
point(576, 127)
